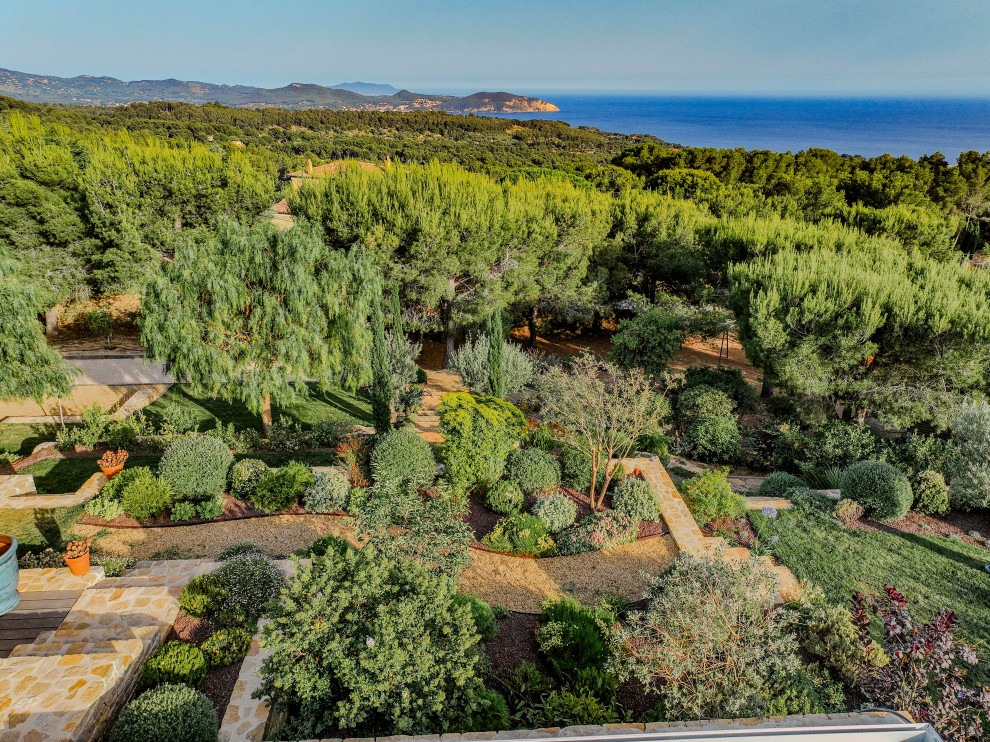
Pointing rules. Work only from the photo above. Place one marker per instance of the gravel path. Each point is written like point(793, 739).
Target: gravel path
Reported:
point(516, 583)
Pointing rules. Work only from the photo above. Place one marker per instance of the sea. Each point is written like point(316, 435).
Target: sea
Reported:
point(854, 126)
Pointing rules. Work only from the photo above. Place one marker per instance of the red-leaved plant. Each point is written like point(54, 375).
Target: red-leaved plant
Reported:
point(927, 668)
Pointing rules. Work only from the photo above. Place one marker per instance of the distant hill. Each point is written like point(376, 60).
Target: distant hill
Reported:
point(371, 89)
point(86, 90)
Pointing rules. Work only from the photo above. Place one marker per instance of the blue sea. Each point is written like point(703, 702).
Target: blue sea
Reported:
point(860, 126)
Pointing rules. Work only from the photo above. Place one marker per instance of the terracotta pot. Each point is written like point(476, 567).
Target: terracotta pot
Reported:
point(109, 471)
point(79, 566)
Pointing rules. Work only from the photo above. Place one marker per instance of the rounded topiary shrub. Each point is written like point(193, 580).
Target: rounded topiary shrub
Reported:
point(404, 458)
point(227, 646)
point(244, 476)
point(197, 467)
point(329, 492)
point(201, 597)
point(247, 584)
point(146, 497)
point(636, 498)
point(168, 713)
point(534, 470)
point(504, 497)
point(931, 494)
point(709, 496)
point(557, 511)
point(882, 489)
point(481, 612)
point(778, 484)
point(280, 489)
point(175, 662)
point(702, 401)
point(714, 438)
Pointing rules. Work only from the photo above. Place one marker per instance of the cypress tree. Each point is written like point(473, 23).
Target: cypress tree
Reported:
point(396, 308)
point(381, 384)
point(496, 378)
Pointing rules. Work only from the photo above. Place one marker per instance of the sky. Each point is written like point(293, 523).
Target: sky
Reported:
point(745, 47)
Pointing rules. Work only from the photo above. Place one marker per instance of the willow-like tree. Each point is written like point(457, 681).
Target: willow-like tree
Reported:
point(496, 372)
point(29, 367)
point(253, 314)
point(381, 380)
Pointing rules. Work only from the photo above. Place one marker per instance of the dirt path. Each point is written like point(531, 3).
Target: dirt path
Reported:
point(516, 583)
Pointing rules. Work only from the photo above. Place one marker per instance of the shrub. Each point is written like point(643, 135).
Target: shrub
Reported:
point(212, 508)
point(113, 566)
point(478, 434)
point(244, 476)
point(520, 534)
point(804, 498)
point(931, 494)
point(247, 584)
point(636, 498)
point(882, 490)
point(114, 489)
point(168, 713)
point(729, 381)
point(709, 497)
point(481, 613)
point(323, 545)
point(421, 377)
point(175, 662)
point(492, 714)
point(471, 362)
point(104, 507)
point(535, 471)
point(575, 469)
point(399, 620)
point(504, 497)
point(280, 489)
point(183, 511)
point(556, 511)
point(648, 340)
point(969, 472)
point(543, 437)
point(286, 435)
point(703, 401)
point(681, 648)
point(847, 511)
point(328, 433)
point(778, 484)
point(328, 493)
point(563, 708)
point(601, 530)
point(840, 444)
point(403, 457)
point(573, 637)
point(715, 439)
point(226, 646)
point(201, 597)
point(146, 498)
point(657, 444)
point(240, 548)
point(121, 434)
point(918, 453)
point(196, 468)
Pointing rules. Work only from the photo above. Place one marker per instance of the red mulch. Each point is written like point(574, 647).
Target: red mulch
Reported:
point(956, 523)
point(220, 681)
point(234, 509)
point(482, 520)
point(738, 530)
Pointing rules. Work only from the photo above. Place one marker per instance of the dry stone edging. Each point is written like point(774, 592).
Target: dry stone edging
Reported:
point(17, 491)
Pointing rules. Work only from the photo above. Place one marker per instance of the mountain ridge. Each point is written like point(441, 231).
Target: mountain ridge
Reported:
point(89, 90)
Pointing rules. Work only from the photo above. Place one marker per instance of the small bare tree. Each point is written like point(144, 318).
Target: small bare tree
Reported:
point(602, 410)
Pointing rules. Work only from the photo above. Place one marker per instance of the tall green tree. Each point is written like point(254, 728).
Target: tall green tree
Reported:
point(396, 310)
point(29, 367)
point(496, 372)
point(381, 380)
point(253, 314)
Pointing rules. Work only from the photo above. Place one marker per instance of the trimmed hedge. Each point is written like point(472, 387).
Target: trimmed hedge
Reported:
point(175, 662)
point(883, 490)
point(636, 498)
point(168, 713)
point(404, 458)
point(197, 467)
point(534, 470)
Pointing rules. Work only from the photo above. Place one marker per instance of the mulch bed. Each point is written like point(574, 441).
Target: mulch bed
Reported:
point(956, 523)
point(220, 681)
point(482, 520)
point(234, 509)
point(738, 530)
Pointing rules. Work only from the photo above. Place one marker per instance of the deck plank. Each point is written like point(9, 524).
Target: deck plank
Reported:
point(37, 613)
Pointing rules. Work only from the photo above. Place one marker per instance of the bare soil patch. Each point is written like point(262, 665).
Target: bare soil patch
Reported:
point(956, 524)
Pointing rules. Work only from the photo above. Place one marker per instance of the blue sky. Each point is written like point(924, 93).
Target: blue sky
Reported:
point(828, 47)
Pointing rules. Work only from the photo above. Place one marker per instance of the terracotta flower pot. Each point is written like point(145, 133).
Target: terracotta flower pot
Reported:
point(109, 471)
point(79, 566)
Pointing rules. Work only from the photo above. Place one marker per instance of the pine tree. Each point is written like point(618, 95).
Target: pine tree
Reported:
point(381, 384)
point(396, 309)
point(496, 370)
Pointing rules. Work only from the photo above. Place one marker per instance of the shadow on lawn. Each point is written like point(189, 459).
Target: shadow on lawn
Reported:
point(938, 545)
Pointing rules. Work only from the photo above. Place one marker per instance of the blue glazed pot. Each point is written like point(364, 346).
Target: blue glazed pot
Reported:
point(9, 598)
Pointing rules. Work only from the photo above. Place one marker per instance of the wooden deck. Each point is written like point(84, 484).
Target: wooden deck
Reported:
point(37, 613)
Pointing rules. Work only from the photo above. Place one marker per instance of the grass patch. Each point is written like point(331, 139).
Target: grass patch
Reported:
point(931, 571)
point(335, 404)
point(36, 530)
point(21, 438)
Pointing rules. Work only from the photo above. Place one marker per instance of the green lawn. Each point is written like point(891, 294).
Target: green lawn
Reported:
point(931, 571)
point(23, 437)
point(336, 404)
point(38, 529)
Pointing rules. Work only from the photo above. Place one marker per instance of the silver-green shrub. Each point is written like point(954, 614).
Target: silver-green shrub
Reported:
point(969, 474)
point(557, 511)
point(330, 491)
point(471, 362)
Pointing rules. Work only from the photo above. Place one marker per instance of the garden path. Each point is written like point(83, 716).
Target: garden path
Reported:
point(438, 383)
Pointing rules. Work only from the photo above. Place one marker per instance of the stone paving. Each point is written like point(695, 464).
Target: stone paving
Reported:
point(438, 383)
point(246, 717)
point(17, 491)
